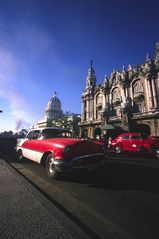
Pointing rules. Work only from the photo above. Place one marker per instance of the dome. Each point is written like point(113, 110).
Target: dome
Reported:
point(53, 109)
point(54, 103)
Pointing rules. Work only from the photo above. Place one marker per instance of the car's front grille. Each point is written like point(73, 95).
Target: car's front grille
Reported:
point(85, 147)
point(82, 162)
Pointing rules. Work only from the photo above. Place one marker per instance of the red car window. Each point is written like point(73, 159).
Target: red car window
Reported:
point(55, 133)
point(135, 137)
point(125, 137)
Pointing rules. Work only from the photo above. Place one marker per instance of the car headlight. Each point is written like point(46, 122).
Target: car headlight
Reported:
point(67, 149)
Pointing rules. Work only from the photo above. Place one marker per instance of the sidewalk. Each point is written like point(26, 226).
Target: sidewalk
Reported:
point(25, 213)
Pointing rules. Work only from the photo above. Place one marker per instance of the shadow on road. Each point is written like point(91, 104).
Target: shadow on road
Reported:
point(117, 176)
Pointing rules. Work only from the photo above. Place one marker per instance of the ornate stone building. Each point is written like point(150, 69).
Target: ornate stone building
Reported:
point(53, 111)
point(127, 99)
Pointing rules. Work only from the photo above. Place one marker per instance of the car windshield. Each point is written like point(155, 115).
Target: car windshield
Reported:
point(55, 133)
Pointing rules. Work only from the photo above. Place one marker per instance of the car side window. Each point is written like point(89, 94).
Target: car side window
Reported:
point(135, 137)
point(125, 137)
point(36, 134)
point(55, 133)
point(33, 134)
point(30, 135)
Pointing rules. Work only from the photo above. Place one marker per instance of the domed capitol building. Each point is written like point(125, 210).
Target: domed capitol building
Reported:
point(53, 111)
point(126, 100)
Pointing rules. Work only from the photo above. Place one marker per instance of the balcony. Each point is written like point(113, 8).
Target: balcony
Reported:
point(88, 122)
point(116, 101)
point(114, 118)
point(99, 105)
point(138, 96)
point(140, 115)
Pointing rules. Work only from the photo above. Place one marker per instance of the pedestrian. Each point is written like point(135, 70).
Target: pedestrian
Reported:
point(109, 142)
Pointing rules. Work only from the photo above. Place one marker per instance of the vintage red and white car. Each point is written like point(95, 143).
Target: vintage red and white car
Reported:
point(135, 142)
point(58, 151)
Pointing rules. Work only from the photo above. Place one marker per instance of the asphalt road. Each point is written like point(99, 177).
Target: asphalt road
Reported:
point(121, 200)
point(26, 213)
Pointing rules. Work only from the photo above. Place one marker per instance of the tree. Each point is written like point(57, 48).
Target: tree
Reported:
point(8, 134)
point(21, 134)
point(69, 121)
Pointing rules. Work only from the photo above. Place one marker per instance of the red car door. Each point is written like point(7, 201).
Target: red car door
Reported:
point(125, 143)
point(135, 143)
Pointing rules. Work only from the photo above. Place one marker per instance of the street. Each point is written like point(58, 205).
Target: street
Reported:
point(121, 200)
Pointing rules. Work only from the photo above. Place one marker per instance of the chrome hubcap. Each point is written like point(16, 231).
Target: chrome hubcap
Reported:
point(20, 156)
point(157, 153)
point(51, 165)
point(118, 150)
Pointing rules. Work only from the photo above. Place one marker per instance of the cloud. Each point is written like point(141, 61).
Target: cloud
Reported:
point(23, 48)
point(18, 45)
point(9, 67)
point(28, 53)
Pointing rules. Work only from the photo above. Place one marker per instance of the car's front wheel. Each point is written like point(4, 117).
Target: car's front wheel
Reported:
point(118, 149)
point(51, 167)
point(157, 153)
point(20, 156)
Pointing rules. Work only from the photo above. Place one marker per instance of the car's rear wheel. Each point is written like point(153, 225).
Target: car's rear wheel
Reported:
point(20, 156)
point(157, 153)
point(118, 149)
point(143, 149)
point(51, 167)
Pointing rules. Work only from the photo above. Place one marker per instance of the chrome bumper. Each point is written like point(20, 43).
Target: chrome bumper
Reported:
point(86, 162)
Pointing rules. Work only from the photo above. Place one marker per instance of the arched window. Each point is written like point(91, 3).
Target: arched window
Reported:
point(115, 93)
point(137, 87)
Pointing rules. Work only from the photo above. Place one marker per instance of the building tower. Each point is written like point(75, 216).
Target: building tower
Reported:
point(91, 78)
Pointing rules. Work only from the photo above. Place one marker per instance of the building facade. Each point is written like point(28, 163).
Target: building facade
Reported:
point(127, 99)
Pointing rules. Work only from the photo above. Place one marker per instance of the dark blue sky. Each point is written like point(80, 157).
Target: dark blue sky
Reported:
point(47, 45)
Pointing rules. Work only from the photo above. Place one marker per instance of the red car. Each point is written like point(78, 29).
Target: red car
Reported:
point(58, 151)
point(134, 142)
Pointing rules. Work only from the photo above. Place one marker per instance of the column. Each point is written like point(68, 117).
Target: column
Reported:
point(95, 108)
point(157, 89)
point(131, 92)
point(148, 95)
point(83, 110)
point(92, 108)
point(151, 94)
point(90, 114)
point(87, 108)
point(154, 93)
point(110, 100)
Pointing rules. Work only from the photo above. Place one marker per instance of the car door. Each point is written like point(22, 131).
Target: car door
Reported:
point(125, 142)
point(135, 143)
point(30, 146)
